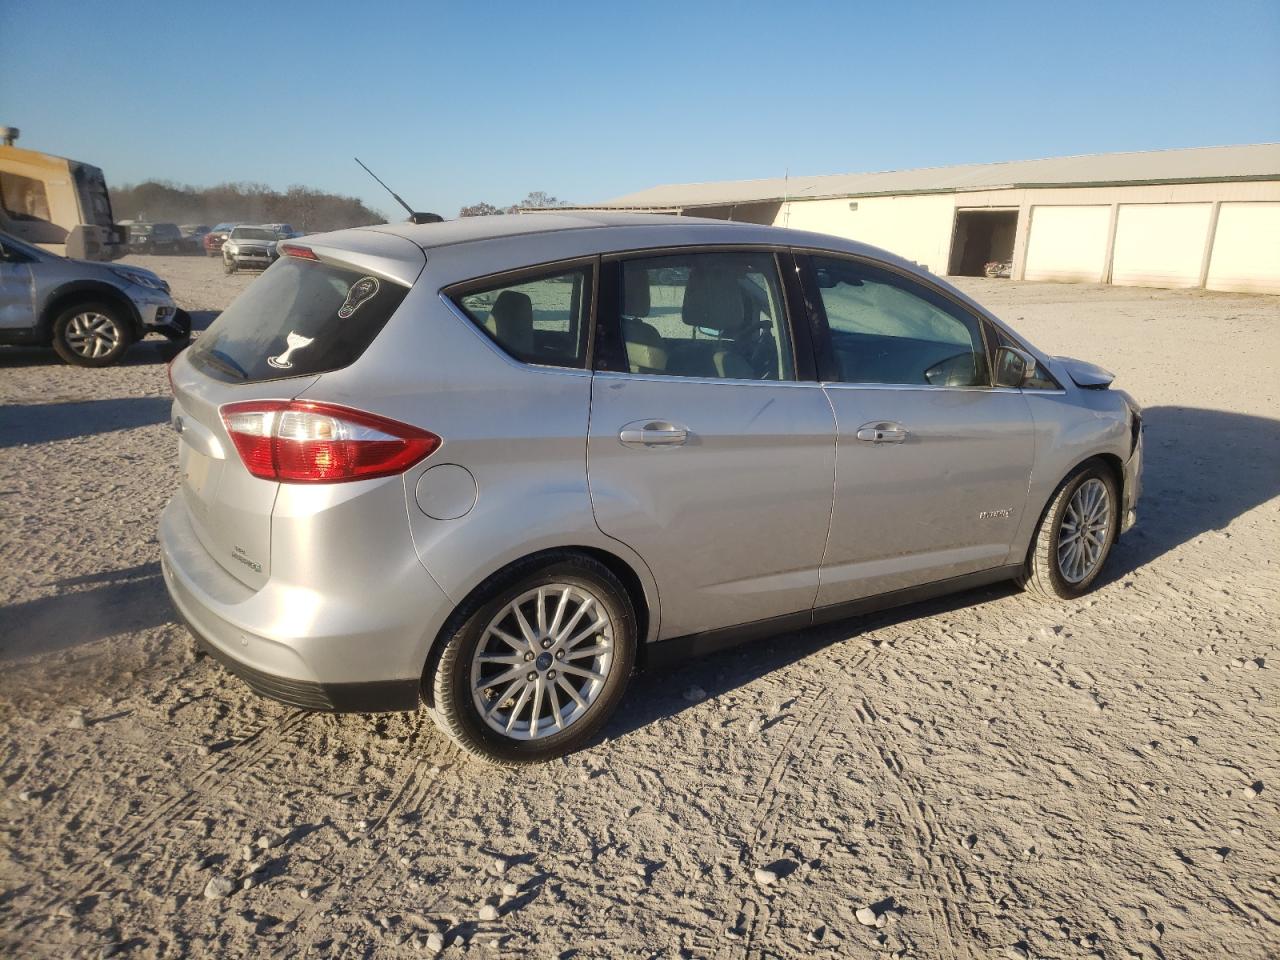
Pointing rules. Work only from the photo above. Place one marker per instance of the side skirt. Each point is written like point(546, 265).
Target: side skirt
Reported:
point(677, 649)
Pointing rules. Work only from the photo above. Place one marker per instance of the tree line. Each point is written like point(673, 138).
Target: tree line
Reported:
point(537, 198)
point(311, 211)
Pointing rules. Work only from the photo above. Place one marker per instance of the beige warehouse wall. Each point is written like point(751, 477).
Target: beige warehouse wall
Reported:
point(1246, 249)
point(916, 228)
point(1160, 244)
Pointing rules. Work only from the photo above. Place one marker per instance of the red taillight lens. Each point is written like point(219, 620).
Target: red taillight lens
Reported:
point(302, 253)
point(303, 442)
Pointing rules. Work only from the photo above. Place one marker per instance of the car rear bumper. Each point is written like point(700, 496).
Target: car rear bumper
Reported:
point(255, 633)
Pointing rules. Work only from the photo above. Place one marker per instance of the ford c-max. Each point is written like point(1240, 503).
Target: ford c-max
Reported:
point(493, 466)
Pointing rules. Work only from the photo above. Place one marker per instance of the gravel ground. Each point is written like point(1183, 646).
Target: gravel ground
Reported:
point(981, 776)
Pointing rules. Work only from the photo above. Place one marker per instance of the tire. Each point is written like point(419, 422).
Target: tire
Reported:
point(92, 334)
point(1057, 573)
point(456, 708)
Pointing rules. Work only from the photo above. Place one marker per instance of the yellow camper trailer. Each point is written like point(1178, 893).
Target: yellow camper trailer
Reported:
point(58, 204)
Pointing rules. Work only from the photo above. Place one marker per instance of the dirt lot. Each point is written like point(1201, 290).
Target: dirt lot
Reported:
point(994, 776)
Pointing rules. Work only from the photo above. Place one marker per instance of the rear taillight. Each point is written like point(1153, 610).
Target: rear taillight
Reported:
point(294, 250)
point(303, 442)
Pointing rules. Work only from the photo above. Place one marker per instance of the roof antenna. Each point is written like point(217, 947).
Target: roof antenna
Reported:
point(414, 216)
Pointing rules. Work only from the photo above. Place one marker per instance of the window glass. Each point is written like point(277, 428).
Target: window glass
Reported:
point(23, 198)
point(717, 315)
point(887, 329)
point(541, 320)
point(299, 318)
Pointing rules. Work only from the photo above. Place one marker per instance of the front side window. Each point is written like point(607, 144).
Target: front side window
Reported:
point(542, 319)
point(885, 328)
point(23, 198)
point(715, 315)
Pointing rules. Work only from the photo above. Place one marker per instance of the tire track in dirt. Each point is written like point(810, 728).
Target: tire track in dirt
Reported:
point(417, 794)
point(916, 818)
point(808, 729)
point(223, 771)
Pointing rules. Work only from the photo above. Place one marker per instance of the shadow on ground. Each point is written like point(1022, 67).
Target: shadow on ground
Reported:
point(86, 609)
point(47, 422)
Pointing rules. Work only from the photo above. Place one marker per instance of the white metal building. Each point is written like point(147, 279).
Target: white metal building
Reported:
point(1206, 217)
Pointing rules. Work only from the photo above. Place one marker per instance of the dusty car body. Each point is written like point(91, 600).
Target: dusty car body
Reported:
point(492, 465)
point(89, 312)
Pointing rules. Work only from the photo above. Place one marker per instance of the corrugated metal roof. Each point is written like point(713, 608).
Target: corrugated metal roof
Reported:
point(1260, 161)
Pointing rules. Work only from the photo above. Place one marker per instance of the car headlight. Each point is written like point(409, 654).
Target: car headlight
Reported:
point(140, 279)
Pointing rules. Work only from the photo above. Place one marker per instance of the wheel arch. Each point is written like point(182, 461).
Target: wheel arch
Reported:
point(1113, 464)
point(641, 603)
point(85, 291)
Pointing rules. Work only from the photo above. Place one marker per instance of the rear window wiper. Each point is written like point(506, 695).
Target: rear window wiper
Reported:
point(225, 363)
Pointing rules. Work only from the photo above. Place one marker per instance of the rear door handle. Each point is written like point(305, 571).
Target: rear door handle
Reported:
point(885, 431)
point(653, 433)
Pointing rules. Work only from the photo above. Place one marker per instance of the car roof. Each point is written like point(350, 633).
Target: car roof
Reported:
point(503, 226)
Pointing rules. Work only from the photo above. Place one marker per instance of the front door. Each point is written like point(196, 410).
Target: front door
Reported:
point(17, 306)
point(932, 462)
point(705, 455)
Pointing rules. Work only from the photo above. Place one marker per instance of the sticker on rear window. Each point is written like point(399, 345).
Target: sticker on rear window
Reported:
point(295, 341)
point(361, 292)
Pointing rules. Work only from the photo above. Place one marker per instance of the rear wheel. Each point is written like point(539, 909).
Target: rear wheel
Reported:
point(91, 335)
point(533, 667)
point(1075, 535)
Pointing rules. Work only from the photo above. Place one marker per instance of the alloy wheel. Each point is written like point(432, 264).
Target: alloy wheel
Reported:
point(1085, 531)
point(542, 661)
point(93, 335)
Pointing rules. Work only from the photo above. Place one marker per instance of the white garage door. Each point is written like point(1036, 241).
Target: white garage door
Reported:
point(1160, 244)
point(1067, 243)
point(1246, 249)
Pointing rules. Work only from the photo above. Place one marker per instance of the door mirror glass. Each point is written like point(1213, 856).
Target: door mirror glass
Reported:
point(1013, 367)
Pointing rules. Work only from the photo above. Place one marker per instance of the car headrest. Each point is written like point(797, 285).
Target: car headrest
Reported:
point(511, 321)
point(635, 291)
point(713, 300)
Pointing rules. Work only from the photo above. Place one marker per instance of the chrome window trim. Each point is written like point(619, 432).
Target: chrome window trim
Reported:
point(670, 378)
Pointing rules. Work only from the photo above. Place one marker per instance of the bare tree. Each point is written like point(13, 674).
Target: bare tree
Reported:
point(481, 209)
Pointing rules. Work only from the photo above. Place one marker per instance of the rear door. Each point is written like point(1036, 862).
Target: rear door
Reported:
point(301, 318)
point(932, 462)
point(707, 454)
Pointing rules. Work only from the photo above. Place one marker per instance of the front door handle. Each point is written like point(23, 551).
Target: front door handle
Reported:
point(653, 433)
point(885, 431)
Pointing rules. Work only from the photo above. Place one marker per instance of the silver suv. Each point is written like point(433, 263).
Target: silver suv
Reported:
point(250, 246)
point(497, 464)
point(88, 312)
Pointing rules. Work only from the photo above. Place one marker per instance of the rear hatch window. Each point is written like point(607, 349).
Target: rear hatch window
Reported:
point(300, 318)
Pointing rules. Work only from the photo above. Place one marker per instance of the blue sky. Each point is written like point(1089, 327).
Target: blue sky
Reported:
point(462, 102)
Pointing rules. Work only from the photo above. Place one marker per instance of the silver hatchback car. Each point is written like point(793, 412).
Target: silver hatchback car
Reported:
point(495, 465)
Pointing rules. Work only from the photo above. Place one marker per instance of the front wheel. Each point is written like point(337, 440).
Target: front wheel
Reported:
point(533, 667)
point(91, 335)
point(1075, 535)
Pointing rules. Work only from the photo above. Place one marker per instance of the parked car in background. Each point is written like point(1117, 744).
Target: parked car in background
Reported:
point(492, 470)
point(155, 238)
point(251, 247)
point(284, 231)
point(193, 237)
point(88, 312)
point(215, 238)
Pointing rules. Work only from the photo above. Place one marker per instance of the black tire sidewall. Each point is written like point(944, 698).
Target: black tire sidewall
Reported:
point(65, 351)
point(1061, 584)
point(454, 667)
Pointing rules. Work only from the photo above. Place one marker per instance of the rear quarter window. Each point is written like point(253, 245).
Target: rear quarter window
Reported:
point(300, 318)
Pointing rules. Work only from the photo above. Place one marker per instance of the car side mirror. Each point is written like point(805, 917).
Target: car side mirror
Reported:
point(1013, 367)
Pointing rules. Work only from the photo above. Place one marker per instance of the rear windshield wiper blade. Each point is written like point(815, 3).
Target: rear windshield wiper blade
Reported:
point(224, 363)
